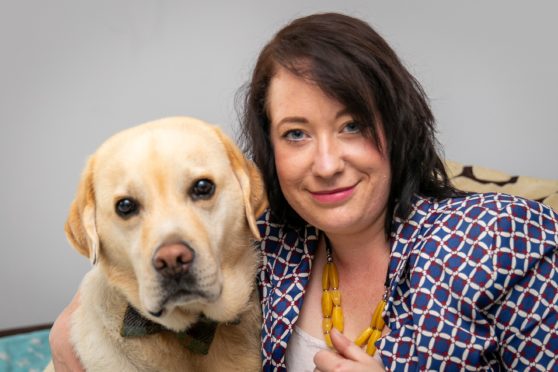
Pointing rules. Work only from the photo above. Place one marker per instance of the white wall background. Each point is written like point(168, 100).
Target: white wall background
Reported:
point(73, 72)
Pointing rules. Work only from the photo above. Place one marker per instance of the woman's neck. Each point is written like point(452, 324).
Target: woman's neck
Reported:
point(360, 250)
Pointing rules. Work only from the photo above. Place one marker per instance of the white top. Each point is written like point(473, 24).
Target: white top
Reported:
point(301, 350)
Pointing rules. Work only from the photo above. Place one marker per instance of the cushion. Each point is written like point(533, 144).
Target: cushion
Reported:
point(474, 178)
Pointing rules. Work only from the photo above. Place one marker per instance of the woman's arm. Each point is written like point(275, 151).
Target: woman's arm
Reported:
point(64, 357)
point(527, 267)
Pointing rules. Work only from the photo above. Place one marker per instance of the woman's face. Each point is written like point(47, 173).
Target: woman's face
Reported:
point(331, 174)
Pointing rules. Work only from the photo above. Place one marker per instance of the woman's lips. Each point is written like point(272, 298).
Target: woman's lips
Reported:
point(333, 196)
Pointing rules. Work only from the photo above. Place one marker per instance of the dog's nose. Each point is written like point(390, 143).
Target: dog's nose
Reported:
point(173, 259)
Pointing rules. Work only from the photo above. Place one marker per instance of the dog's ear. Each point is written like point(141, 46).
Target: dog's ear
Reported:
point(80, 226)
point(250, 180)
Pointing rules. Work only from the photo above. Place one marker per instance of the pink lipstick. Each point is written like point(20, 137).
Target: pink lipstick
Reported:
point(333, 196)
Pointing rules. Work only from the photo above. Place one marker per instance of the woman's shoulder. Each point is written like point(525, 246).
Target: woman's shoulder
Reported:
point(499, 221)
point(506, 214)
point(497, 240)
point(490, 208)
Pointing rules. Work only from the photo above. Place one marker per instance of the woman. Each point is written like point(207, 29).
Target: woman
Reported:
point(345, 139)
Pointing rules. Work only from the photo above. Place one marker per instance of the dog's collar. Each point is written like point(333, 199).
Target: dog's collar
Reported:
point(196, 338)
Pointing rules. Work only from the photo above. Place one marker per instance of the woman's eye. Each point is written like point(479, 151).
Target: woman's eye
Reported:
point(202, 189)
point(294, 135)
point(126, 207)
point(352, 127)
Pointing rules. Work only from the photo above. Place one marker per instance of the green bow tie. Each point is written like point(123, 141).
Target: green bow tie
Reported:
point(197, 338)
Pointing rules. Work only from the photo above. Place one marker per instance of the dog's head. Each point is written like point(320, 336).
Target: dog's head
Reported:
point(166, 209)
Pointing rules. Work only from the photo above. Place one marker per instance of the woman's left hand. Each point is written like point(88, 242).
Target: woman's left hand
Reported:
point(349, 357)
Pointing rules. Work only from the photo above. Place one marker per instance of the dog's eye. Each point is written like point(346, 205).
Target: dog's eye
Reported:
point(126, 207)
point(202, 189)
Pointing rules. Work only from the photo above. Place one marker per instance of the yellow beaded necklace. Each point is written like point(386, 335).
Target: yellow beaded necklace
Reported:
point(333, 313)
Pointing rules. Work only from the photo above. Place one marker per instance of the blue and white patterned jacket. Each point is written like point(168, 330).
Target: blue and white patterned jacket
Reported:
point(474, 286)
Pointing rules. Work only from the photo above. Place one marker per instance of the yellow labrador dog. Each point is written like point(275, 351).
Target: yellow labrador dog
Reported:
point(166, 212)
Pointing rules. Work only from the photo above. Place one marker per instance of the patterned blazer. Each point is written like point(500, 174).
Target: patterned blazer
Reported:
point(473, 286)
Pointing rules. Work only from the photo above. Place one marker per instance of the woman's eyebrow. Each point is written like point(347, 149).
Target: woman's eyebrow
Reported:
point(342, 112)
point(293, 119)
point(303, 120)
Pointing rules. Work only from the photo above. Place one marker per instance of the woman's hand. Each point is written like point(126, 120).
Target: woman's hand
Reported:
point(349, 358)
point(63, 355)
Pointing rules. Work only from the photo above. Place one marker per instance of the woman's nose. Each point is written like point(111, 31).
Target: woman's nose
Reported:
point(328, 159)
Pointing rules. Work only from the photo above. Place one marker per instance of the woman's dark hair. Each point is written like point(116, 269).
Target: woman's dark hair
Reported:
point(354, 65)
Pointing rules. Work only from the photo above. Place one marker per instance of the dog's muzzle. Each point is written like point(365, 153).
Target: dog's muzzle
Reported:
point(177, 279)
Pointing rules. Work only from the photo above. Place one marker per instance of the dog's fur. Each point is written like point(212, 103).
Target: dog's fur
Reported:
point(157, 164)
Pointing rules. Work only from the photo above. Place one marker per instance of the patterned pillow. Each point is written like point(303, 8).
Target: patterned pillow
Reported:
point(478, 179)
